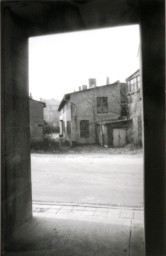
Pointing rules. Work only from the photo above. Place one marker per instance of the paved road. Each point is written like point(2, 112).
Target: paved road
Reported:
point(88, 179)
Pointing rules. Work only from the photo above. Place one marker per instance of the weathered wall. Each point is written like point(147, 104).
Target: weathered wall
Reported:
point(136, 115)
point(65, 115)
point(86, 108)
point(22, 19)
point(135, 111)
point(36, 120)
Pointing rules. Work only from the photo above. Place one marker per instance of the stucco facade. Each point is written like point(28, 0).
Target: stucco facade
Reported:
point(134, 98)
point(83, 110)
point(36, 120)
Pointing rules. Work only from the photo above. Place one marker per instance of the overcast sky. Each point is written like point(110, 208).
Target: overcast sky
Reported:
point(60, 63)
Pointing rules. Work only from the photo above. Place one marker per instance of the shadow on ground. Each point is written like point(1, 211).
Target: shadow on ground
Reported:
point(50, 237)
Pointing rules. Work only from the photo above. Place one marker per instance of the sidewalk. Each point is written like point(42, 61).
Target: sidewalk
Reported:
point(95, 212)
point(80, 230)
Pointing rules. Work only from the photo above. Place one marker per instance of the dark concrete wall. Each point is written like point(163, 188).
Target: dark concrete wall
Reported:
point(22, 19)
point(16, 176)
point(153, 63)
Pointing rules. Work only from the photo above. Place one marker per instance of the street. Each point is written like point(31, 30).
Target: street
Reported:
point(114, 180)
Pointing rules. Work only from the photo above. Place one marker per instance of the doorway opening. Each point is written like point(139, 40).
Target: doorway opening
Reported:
point(86, 127)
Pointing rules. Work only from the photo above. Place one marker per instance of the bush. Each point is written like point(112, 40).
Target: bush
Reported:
point(47, 129)
point(47, 145)
point(50, 129)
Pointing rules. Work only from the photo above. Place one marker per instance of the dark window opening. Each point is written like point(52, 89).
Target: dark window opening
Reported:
point(84, 128)
point(63, 127)
point(134, 84)
point(102, 105)
point(124, 110)
point(69, 128)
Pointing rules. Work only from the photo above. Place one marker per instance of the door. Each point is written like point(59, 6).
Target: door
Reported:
point(110, 135)
point(119, 137)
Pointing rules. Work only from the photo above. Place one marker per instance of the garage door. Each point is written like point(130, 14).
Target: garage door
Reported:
point(119, 137)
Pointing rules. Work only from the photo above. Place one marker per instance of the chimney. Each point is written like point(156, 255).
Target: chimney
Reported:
point(84, 87)
point(107, 80)
point(79, 88)
point(92, 82)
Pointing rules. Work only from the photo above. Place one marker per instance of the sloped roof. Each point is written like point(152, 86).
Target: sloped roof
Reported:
point(132, 75)
point(44, 104)
point(67, 96)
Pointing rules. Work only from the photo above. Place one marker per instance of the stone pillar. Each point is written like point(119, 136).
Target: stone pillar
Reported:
point(153, 62)
point(16, 174)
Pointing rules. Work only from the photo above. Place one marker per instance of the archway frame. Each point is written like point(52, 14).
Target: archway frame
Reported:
point(23, 19)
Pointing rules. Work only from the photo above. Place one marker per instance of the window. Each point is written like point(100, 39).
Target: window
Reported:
point(124, 109)
point(73, 109)
point(69, 128)
point(129, 86)
point(84, 128)
point(132, 85)
point(102, 105)
point(138, 81)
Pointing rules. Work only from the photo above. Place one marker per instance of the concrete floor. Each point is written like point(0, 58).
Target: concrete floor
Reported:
point(88, 179)
point(90, 231)
point(80, 220)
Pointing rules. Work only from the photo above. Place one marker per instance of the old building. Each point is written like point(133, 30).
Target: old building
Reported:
point(36, 120)
point(95, 115)
point(134, 98)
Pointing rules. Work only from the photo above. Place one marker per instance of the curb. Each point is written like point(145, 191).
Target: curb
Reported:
point(137, 208)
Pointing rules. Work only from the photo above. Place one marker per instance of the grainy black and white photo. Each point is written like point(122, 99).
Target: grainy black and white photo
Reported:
point(77, 123)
